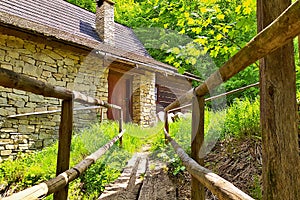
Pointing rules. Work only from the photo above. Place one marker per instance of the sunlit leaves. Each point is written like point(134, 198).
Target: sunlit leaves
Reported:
point(220, 16)
point(216, 27)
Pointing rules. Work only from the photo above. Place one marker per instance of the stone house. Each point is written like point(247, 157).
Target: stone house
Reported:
point(64, 45)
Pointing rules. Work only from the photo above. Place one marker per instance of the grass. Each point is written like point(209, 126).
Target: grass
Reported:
point(30, 169)
point(238, 120)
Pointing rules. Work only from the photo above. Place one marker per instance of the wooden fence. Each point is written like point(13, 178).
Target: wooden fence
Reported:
point(280, 32)
point(59, 184)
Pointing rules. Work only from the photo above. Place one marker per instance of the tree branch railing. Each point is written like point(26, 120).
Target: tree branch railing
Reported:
point(218, 96)
point(59, 185)
point(281, 31)
point(63, 179)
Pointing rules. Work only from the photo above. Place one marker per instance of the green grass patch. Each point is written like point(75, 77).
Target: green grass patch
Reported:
point(30, 169)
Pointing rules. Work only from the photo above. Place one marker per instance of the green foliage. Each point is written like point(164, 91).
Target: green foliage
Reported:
point(89, 5)
point(242, 118)
point(195, 36)
point(181, 131)
point(256, 190)
point(28, 170)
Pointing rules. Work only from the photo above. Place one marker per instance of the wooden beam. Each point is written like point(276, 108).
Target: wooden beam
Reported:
point(280, 32)
point(59, 182)
point(232, 92)
point(64, 145)
point(281, 164)
point(219, 96)
point(11, 79)
point(217, 185)
point(197, 139)
point(166, 125)
point(121, 126)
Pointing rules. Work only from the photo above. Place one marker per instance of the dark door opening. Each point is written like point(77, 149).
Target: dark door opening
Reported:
point(119, 93)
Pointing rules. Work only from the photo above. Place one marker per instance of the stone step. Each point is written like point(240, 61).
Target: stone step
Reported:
point(127, 186)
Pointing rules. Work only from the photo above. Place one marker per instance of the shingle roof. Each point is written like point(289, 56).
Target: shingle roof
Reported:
point(66, 17)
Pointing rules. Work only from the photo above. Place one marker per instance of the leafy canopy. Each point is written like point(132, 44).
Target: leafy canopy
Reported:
point(197, 36)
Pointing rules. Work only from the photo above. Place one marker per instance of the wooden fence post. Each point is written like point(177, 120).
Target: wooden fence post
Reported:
point(101, 115)
point(280, 168)
point(166, 125)
point(197, 190)
point(65, 135)
point(121, 126)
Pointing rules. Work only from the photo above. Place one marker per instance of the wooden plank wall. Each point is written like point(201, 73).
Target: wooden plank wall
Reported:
point(169, 88)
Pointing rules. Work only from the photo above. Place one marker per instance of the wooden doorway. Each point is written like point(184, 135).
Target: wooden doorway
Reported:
point(119, 93)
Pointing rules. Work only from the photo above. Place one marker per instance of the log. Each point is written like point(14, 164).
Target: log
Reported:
point(278, 113)
point(278, 33)
point(12, 79)
point(59, 182)
point(64, 145)
point(121, 126)
point(220, 187)
point(197, 139)
point(218, 96)
point(166, 128)
point(232, 92)
point(181, 107)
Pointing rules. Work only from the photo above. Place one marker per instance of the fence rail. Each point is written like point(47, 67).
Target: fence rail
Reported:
point(58, 185)
point(218, 96)
point(278, 33)
point(63, 179)
point(219, 186)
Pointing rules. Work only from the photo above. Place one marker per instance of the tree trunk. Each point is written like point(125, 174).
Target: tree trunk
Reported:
point(278, 113)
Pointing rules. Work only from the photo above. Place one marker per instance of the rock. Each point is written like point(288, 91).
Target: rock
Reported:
point(5, 152)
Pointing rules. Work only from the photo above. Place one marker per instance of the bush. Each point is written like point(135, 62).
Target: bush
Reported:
point(242, 118)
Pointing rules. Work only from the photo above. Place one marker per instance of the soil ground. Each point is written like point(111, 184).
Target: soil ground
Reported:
point(237, 160)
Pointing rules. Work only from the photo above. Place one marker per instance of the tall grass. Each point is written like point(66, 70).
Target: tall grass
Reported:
point(242, 118)
point(30, 169)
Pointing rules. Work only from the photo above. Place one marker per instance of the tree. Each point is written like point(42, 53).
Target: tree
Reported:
point(197, 36)
point(183, 33)
point(281, 178)
point(89, 5)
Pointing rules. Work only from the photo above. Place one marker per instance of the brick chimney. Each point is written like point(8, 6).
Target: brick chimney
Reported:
point(105, 25)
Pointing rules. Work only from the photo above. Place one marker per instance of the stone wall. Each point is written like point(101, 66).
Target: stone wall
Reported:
point(144, 107)
point(56, 63)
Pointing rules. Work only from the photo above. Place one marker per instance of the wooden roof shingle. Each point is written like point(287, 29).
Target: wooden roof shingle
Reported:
point(64, 16)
